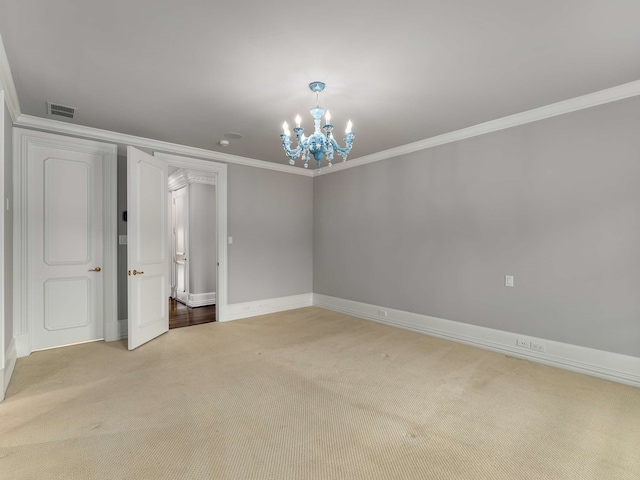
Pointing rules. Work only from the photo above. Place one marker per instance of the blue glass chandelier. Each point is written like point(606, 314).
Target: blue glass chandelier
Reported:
point(319, 144)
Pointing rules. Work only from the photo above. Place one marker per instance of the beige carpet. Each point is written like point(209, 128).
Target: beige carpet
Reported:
point(310, 394)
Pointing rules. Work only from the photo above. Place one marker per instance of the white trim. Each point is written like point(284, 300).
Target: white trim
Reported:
point(598, 363)
point(117, 330)
point(6, 84)
point(608, 95)
point(3, 260)
point(22, 140)
point(237, 311)
point(110, 242)
point(9, 364)
point(220, 169)
point(23, 343)
point(201, 299)
point(65, 128)
point(69, 344)
point(181, 178)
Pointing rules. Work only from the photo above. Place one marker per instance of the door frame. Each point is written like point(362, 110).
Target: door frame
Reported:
point(220, 171)
point(23, 140)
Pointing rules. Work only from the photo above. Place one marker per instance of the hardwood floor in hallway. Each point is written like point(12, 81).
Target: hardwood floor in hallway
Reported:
point(182, 316)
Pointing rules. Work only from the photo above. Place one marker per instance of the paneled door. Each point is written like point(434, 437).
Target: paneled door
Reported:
point(65, 244)
point(148, 250)
point(180, 230)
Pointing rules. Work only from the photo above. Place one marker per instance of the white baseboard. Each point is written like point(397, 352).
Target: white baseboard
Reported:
point(598, 363)
point(236, 311)
point(11, 355)
point(23, 345)
point(201, 299)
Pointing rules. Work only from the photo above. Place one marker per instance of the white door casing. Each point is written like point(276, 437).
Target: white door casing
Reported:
point(64, 242)
point(148, 247)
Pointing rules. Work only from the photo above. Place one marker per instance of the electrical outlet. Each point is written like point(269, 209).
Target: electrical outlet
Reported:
point(538, 347)
point(246, 308)
point(523, 343)
point(382, 313)
point(508, 281)
point(263, 305)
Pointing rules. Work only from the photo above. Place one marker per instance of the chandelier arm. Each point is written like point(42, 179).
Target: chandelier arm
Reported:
point(344, 151)
point(286, 144)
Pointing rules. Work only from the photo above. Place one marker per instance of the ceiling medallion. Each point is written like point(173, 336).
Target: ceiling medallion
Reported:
point(319, 145)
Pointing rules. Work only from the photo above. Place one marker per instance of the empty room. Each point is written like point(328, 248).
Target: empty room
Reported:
point(348, 240)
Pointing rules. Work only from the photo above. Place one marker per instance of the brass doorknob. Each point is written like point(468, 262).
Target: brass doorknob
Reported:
point(136, 272)
point(97, 269)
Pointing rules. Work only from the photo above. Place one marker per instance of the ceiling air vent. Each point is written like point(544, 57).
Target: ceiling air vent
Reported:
point(60, 110)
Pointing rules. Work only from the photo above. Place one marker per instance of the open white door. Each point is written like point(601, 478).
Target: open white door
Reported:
point(147, 253)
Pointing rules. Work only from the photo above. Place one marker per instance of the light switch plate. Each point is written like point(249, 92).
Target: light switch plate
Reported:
point(122, 239)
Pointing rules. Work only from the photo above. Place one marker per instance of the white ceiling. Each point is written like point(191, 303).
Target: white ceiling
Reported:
point(189, 71)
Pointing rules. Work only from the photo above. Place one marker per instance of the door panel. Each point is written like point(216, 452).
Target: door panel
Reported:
point(65, 218)
point(147, 259)
point(153, 297)
point(66, 303)
point(67, 212)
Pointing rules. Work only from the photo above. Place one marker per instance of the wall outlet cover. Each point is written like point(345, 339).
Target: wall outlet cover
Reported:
point(538, 347)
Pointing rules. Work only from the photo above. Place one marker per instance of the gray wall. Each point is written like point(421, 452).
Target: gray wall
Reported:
point(8, 229)
point(555, 203)
point(270, 217)
point(202, 238)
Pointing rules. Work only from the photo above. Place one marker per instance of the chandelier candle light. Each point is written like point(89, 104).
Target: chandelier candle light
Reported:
point(319, 145)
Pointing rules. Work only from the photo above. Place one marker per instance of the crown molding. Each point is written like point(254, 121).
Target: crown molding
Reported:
point(182, 178)
point(38, 123)
point(608, 95)
point(6, 84)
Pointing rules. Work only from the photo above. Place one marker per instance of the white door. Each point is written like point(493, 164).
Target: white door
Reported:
point(65, 245)
point(180, 201)
point(147, 253)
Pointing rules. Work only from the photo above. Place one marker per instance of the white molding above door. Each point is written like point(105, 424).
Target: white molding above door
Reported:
point(182, 178)
point(220, 171)
point(23, 140)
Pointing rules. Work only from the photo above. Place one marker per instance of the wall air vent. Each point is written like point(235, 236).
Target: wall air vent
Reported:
point(60, 110)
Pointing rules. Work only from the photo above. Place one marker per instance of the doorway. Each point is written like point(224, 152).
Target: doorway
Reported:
point(198, 244)
point(64, 248)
